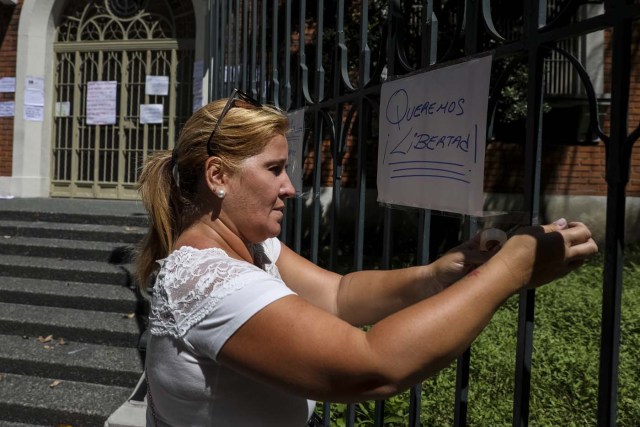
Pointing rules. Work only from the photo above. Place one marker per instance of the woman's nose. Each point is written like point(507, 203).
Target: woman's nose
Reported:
point(287, 189)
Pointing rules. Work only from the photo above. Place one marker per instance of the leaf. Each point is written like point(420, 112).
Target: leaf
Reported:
point(56, 383)
point(61, 341)
point(45, 339)
point(129, 315)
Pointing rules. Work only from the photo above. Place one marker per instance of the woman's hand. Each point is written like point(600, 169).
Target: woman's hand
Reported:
point(539, 254)
point(459, 261)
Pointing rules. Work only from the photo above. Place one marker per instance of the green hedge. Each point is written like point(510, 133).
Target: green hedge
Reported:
point(564, 377)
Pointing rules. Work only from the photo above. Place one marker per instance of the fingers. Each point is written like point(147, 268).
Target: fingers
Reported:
point(557, 225)
point(580, 244)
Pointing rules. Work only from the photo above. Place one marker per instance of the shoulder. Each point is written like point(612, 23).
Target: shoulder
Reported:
point(191, 282)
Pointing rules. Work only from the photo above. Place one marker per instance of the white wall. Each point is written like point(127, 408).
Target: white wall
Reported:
point(32, 140)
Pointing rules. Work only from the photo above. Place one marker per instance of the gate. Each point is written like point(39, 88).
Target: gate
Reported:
point(121, 42)
point(330, 58)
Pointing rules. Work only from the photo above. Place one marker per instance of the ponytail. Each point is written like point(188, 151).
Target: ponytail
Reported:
point(159, 196)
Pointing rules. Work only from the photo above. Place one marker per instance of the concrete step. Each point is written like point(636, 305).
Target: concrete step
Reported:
point(55, 293)
point(70, 360)
point(98, 327)
point(61, 230)
point(37, 400)
point(115, 253)
point(12, 424)
point(68, 270)
point(77, 211)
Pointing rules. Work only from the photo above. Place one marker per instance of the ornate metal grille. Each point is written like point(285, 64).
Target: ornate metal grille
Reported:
point(121, 41)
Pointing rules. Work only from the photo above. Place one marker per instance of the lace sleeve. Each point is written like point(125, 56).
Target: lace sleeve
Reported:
point(190, 284)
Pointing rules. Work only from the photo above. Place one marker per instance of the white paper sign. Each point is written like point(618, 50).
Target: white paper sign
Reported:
point(101, 103)
point(33, 113)
point(34, 97)
point(198, 76)
point(295, 138)
point(63, 109)
point(156, 85)
point(151, 113)
point(7, 84)
point(7, 109)
point(432, 138)
point(33, 82)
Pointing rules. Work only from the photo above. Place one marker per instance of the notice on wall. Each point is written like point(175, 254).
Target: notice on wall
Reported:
point(151, 113)
point(34, 83)
point(295, 138)
point(432, 138)
point(7, 84)
point(7, 109)
point(63, 109)
point(33, 113)
point(34, 97)
point(198, 76)
point(156, 85)
point(101, 102)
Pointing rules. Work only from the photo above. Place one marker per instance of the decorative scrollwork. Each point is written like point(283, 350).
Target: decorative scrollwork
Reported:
point(125, 8)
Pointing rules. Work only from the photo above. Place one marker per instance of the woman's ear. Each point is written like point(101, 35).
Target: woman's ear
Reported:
point(214, 173)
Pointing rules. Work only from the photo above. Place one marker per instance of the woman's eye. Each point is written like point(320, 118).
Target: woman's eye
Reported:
point(277, 170)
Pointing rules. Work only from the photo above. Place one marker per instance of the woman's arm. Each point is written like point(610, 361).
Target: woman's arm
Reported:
point(295, 345)
point(364, 297)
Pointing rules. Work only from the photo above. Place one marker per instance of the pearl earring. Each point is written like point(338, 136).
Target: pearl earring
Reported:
point(221, 193)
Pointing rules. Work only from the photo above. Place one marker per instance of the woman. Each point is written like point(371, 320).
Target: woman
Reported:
point(245, 331)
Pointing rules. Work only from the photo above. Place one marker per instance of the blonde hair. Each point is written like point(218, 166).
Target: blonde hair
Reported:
point(173, 205)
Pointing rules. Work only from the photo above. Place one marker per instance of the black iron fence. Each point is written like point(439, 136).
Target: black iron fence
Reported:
point(330, 58)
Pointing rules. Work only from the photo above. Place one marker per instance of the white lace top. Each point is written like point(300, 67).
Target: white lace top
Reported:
point(201, 297)
point(192, 281)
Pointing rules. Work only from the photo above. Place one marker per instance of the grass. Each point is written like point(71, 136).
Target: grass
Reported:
point(565, 361)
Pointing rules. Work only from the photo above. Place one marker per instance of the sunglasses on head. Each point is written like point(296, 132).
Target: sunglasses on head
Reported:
point(236, 95)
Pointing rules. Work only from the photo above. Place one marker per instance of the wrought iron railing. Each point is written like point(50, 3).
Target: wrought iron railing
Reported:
point(330, 58)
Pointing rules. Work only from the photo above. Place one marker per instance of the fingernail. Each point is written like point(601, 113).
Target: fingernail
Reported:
point(560, 222)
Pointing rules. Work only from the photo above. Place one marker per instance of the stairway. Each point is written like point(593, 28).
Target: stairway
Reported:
point(70, 318)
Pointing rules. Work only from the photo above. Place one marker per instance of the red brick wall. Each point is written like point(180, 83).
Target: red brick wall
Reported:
point(9, 16)
point(571, 169)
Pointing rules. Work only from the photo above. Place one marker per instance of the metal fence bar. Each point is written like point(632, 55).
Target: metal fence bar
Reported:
point(618, 156)
point(535, 10)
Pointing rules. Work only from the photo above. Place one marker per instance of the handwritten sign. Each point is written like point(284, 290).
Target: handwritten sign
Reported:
point(63, 109)
point(198, 76)
point(33, 113)
point(7, 108)
point(156, 85)
point(101, 102)
point(295, 138)
point(7, 84)
point(151, 113)
point(432, 138)
point(34, 97)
